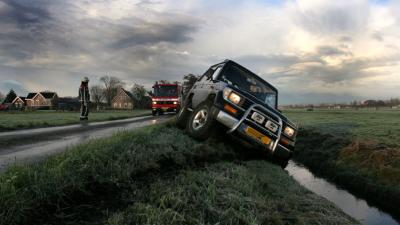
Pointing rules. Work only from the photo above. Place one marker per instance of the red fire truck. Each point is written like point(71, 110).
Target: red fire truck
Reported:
point(166, 98)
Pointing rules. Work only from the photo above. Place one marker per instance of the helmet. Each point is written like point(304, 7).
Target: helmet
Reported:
point(85, 79)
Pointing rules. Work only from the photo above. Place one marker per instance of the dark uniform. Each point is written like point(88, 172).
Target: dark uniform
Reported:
point(84, 98)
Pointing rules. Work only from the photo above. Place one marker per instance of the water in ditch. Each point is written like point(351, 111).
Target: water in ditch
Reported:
point(355, 207)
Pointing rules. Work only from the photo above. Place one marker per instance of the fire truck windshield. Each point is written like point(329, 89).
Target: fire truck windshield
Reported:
point(168, 90)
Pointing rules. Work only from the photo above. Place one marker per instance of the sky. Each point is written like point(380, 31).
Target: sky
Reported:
point(313, 51)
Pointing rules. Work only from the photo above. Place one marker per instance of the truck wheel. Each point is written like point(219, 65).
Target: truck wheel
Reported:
point(154, 112)
point(201, 124)
point(183, 116)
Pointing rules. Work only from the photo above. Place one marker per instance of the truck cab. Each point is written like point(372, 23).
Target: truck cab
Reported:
point(166, 98)
point(245, 104)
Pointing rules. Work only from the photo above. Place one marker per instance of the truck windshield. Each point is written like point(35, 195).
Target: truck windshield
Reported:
point(168, 90)
point(246, 81)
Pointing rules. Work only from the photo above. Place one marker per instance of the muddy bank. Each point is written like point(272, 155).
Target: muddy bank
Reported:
point(346, 163)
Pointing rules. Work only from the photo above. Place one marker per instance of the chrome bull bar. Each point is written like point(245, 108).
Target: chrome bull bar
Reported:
point(254, 107)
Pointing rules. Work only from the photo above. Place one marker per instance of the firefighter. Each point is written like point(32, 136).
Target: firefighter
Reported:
point(84, 98)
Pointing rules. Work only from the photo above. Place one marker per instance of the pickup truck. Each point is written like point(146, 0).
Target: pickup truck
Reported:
point(245, 104)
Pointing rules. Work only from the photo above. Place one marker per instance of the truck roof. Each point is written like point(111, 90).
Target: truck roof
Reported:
point(166, 85)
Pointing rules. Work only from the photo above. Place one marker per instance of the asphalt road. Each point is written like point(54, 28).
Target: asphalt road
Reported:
point(44, 142)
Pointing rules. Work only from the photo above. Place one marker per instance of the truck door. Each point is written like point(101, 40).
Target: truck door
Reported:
point(205, 86)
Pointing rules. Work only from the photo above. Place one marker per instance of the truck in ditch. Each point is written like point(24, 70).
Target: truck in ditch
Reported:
point(245, 104)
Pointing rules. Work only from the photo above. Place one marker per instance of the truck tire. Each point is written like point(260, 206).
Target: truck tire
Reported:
point(201, 124)
point(183, 115)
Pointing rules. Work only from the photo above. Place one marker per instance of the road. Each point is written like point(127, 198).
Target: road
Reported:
point(48, 141)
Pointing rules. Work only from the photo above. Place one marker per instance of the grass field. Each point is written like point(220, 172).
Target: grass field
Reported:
point(158, 175)
point(20, 120)
point(359, 149)
point(367, 125)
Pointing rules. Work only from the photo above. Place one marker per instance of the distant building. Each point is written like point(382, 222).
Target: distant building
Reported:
point(18, 103)
point(42, 100)
point(68, 104)
point(123, 100)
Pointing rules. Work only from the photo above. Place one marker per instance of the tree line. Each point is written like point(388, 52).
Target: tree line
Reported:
point(371, 103)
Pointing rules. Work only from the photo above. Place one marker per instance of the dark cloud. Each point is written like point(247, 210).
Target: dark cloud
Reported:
point(23, 13)
point(331, 51)
point(60, 40)
point(152, 33)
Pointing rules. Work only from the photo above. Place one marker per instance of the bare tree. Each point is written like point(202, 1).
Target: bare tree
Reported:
point(97, 94)
point(111, 85)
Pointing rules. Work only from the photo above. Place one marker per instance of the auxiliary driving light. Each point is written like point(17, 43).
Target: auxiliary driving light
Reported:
point(289, 131)
point(257, 117)
point(271, 126)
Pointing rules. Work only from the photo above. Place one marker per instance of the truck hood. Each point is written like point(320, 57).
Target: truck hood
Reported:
point(258, 101)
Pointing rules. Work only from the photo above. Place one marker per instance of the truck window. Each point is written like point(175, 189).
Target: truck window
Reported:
point(246, 81)
point(168, 90)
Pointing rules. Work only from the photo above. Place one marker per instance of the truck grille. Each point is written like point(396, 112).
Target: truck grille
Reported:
point(164, 102)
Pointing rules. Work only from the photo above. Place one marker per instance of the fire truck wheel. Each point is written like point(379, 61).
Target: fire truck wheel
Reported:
point(154, 113)
point(201, 124)
point(182, 116)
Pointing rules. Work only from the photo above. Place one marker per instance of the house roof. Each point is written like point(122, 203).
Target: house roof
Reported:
point(48, 94)
point(18, 97)
point(31, 95)
point(129, 94)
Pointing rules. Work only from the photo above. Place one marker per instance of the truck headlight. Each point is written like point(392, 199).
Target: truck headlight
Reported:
point(154, 103)
point(289, 131)
point(175, 103)
point(235, 98)
point(232, 96)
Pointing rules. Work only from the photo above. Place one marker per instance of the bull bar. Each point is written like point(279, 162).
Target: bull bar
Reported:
point(234, 123)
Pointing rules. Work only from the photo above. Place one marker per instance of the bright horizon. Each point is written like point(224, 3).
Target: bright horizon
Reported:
point(313, 51)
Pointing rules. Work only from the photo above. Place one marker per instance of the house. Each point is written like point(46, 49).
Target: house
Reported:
point(123, 100)
point(18, 103)
point(42, 100)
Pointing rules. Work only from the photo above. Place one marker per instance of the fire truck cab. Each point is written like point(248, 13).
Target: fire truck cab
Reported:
point(166, 98)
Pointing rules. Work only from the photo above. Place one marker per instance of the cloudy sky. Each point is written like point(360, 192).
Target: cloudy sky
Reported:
point(311, 50)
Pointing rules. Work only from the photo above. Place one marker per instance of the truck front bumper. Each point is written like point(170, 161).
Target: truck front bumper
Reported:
point(165, 107)
point(238, 125)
